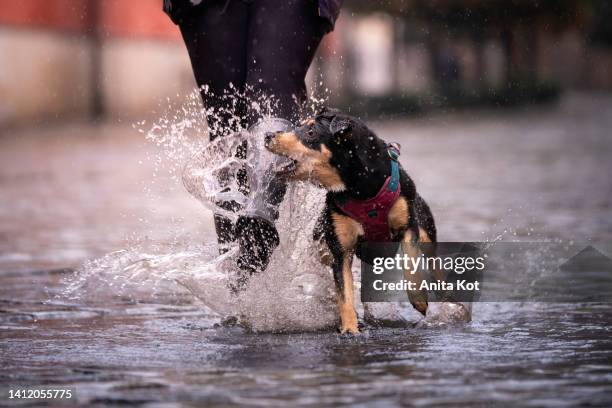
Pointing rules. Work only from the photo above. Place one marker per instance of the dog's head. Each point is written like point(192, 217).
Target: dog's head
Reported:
point(331, 149)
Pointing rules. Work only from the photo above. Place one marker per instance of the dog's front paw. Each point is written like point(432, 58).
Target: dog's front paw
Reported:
point(349, 329)
point(348, 319)
point(348, 322)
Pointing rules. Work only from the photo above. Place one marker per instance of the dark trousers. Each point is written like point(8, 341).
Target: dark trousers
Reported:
point(260, 47)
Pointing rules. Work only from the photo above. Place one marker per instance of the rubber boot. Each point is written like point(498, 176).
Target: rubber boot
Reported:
point(257, 239)
point(225, 232)
point(255, 231)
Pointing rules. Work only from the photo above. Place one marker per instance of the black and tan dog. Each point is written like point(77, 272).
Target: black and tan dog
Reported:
point(369, 196)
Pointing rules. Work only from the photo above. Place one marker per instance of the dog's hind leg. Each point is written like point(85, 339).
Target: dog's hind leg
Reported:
point(410, 247)
point(445, 309)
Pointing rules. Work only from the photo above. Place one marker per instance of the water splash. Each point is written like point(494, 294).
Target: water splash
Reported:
point(295, 293)
point(228, 172)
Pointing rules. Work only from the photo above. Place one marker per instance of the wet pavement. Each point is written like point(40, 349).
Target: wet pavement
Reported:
point(76, 192)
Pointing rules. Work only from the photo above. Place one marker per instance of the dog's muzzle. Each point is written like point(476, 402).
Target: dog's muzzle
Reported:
point(281, 167)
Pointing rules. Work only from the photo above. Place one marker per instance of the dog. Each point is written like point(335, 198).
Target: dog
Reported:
point(370, 197)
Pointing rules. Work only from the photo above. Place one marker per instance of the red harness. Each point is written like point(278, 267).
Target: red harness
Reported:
point(373, 213)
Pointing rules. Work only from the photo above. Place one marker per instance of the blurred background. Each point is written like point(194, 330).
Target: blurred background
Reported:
point(97, 59)
point(503, 109)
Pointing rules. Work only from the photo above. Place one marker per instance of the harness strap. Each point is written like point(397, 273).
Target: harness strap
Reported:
point(393, 150)
point(373, 213)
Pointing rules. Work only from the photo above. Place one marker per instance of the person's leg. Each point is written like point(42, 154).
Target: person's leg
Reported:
point(215, 35)
point(283, 38)
point(216, 39)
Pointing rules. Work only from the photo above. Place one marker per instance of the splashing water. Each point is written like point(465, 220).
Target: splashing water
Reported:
point(295, 293)
point(214, 175)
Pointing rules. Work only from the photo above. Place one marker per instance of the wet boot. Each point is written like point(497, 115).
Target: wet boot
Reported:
point(255, 232)
point(225, 232)
point(257, 239)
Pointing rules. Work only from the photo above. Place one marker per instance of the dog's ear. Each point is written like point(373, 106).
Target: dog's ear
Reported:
point(340, 127)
